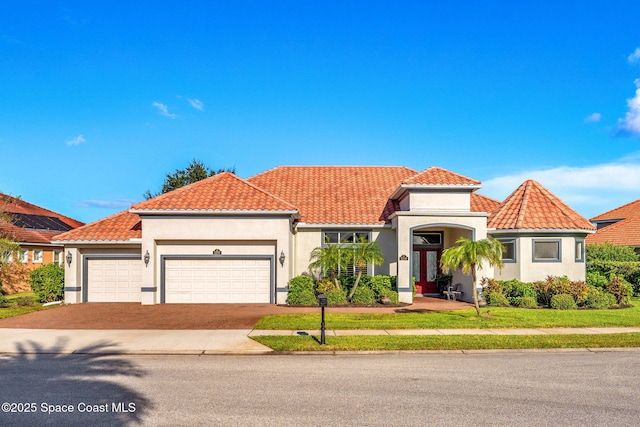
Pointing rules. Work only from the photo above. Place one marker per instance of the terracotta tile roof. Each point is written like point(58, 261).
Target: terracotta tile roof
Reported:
point(336, 194)
point(438, 176)
point(625, 232)
point(221, 192)
point(480, 203)
point(13, 205)
point(532, 206)
point(119, 227)
point(624, 211)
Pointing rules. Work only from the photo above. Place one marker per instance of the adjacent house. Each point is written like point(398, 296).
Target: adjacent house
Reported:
point(228, 239)
point(32, 227)
point(619, 226)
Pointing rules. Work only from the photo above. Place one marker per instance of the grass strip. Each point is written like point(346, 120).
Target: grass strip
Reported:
point(449, 342)
point(498, 317)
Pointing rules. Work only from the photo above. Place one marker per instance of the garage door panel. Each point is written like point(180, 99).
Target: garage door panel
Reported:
point(217, 281)
point(113, 280)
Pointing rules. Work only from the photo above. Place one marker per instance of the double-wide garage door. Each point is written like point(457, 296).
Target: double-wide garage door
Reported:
point(217, 280)
point(113, 280)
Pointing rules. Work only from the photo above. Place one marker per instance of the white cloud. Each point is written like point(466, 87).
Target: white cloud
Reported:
point(197, 104)
point(117, 203)
point(630, 124)
point(593, 118)
point(635, 56)
point(76, 141)
point(163, 109)
point(590, 190)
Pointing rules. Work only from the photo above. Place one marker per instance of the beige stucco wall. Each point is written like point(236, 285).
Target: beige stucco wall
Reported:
point(199, 235)
point(527, 270)
point(73, 273)
point(440, 200)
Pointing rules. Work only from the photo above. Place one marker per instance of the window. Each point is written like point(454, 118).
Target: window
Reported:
point(57, 257)
point(579, 250)
point(37, 255)
point(422, 238)
point(509, 253)
point(7, 256)
point(546, 250)
point(346, 237)
point(23, 255)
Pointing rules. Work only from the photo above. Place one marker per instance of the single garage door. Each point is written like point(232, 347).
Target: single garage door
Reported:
point(217, 280)
point(113, 280)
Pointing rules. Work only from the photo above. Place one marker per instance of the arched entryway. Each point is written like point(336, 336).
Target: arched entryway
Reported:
point(427, 244)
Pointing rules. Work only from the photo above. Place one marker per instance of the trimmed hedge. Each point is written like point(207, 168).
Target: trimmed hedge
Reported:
point(563, 302)
point(47, 282)
point(301, 291)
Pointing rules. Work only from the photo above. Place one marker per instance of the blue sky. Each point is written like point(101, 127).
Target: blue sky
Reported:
point(99, 101)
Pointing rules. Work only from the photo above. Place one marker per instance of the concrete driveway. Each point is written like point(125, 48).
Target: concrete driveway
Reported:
point(109, 316)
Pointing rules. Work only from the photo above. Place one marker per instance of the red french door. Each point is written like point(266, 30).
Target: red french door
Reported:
point(426, 266)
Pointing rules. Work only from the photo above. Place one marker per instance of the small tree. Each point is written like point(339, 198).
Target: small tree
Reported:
point(363, 252)
point(469, 255)
point(196, 171)
point(329, 259)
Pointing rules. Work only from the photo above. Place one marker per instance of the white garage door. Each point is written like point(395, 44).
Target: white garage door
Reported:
point(114, 280)
point(217, 280)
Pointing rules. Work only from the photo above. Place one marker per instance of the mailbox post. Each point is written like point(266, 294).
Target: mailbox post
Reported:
point(322, 302)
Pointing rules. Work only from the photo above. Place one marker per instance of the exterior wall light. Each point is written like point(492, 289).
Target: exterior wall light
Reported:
point(69, 258)
point(146, 258)
point(282, 258)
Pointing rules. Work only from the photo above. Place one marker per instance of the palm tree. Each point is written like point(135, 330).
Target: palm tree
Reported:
point(364, 252)
point(469, 255)
point(331, 258)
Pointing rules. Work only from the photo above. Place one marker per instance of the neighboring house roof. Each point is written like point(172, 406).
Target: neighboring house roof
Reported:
point(122, 226)
point(625, 232)
point(221, 192)
point(30, 223)
point(532, 206)
point(438, 176)
point(480, 203)
point(336, 194)
point(625, 211)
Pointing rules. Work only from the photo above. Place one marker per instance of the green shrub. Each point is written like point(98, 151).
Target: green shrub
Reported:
point(23, 301)
point(363, 295)
point(392, 295)
point(621, 289)
point(628, 270)
point(599, 299)
point(336, 296)
point(516, 289)
point(610, 252)
point(3, 301)
point(597, 279)
point(48, 282)
point(324, 286)
point(379, 284)
point(496, 299)
point(491, 286)
point(301, 291)
point(563, 302)
point(557, 285)
point(524, 302)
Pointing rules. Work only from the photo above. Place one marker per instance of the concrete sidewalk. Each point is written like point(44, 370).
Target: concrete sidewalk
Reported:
point(136, 341)
point(222, 341)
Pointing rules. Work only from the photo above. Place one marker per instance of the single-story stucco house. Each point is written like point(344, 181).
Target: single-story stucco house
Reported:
point(228, 239)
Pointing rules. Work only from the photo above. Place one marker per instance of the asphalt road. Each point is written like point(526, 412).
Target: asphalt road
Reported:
point(506, 389)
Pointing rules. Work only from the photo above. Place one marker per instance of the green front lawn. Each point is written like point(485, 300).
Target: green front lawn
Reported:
point(13, 309)
point(460, 319)
point(450, 342)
